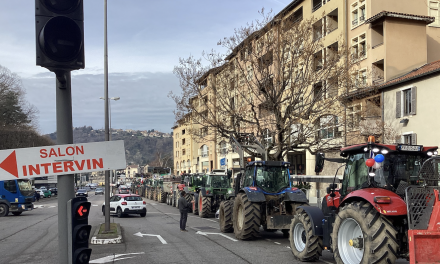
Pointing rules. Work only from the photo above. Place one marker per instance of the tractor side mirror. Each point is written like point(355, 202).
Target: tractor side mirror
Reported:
point(237, 183)
point(319, 162)
point(331, 189)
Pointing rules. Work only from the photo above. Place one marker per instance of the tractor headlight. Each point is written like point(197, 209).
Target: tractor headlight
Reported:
point(435, 152)
point(230, 191)
point(375, 150)
point(429, 153)
point(384, 151)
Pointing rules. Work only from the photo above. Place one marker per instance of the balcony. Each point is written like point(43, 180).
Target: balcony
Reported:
point(362, 19)
point(354, 22)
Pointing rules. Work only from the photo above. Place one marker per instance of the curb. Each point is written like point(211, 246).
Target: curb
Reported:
point(104, 241)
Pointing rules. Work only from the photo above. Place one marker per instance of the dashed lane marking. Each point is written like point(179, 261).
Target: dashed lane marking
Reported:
point(278, 243)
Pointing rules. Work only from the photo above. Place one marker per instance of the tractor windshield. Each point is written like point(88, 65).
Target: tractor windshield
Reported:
point(198, 180)
point(396, 168)
point(272, 178)
point(216, 181)
point(25, 187)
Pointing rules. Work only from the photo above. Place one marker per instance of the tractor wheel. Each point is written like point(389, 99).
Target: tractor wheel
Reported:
point(305, 246)
point(155, 195)
point(204, 206)
point(363, 235)
point(225, 216)
point(188, 198)
point(246, 218)
point(150, 193)
point(163, 196)
point(146, 194)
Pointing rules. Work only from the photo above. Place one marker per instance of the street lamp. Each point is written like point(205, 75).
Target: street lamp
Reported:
point(110, 127)
point(110, 113)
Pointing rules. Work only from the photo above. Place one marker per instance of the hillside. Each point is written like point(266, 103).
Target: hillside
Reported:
point(140, 146)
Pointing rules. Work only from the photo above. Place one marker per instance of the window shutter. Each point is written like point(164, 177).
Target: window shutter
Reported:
point(414, 139)
point(413, 100)
point(398, 102)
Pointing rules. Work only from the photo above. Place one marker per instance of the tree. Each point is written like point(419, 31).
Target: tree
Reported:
point(162, 159)
point(15, 111)
point(277, 80)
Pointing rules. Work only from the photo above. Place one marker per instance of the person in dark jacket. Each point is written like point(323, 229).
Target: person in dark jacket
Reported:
point(183, 205)
point(37, 196)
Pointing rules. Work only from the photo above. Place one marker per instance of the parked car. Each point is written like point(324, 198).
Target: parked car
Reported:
point(123, 204)
point(54, 191)
point(43, 188)
point(82, 193)
point(41, 193)
point(47, 194)
point(123, 189)
point(99, 191)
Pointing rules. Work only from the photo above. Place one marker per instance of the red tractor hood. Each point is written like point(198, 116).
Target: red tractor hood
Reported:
point(396, 207)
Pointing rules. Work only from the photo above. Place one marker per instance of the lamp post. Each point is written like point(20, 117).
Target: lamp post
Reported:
point(110, 128)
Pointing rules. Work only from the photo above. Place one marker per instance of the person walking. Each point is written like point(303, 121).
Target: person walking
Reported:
point(37, 196)
point(182, 204)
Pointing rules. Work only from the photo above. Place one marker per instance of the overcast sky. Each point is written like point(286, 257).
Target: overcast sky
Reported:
point(145, 40)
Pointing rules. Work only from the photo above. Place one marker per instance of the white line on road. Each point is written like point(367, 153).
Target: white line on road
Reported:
point(52, 206)
point(139, 234)
point(288, 247)
point(328, 262)
point(94, 205)
point(223, 235)
point(113, 258)
point(278, 243)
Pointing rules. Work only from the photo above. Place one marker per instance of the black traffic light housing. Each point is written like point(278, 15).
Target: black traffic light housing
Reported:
point(59, 30)
point(79, 230)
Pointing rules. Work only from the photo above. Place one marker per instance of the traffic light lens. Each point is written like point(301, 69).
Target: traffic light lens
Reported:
point(61, 39)
point(61, 6)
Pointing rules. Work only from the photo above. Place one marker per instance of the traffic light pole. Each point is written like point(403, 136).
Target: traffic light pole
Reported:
point(64, 136)
point(107, 137)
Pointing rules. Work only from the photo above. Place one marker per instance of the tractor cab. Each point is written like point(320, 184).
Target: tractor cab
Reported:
point(390, 167)
point(270, 176)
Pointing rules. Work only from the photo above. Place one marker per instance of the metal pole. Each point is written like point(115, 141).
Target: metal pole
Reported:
point(64, 136)
point(110, 139)
point(107, 174)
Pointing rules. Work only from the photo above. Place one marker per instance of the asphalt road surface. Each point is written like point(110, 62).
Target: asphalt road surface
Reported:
point(33, 238)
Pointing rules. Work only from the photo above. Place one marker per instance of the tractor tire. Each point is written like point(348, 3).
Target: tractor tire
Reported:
point(159, 196)
point(150, 193)
point(246, 218)
point(304, 245)
point(188, 198)
point(163, 196)
point(155, 195)
point(377, 243)
point(4, 210)
point(204, 206)
point(226, 225)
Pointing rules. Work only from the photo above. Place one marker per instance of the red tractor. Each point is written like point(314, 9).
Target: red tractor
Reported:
point(388, 192)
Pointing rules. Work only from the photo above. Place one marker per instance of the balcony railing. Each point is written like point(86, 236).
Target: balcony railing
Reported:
point(354, 22)
point(362, 18)
point(377, 45)
point(331, 29)
point(378, 80)
point(317, 6)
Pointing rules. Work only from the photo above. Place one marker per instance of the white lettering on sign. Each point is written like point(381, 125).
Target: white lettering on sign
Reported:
point(61, 159)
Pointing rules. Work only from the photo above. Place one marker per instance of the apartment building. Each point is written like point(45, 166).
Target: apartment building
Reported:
point(386, 39)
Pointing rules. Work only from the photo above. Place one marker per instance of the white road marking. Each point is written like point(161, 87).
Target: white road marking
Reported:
point(52, 206)
point(288, 247)
point(114, 258)
point(328, 262)
point(139, 234)
point(94, 205)
point(278, 243)
point(223, 235)
point(38, 206)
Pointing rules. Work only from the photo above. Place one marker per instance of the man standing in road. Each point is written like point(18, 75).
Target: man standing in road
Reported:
point(182, 204)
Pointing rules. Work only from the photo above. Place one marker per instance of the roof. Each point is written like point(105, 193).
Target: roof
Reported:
point(383, 14)
point(427, 69)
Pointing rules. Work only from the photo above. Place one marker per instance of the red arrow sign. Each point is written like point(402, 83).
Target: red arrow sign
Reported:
point(10, 164)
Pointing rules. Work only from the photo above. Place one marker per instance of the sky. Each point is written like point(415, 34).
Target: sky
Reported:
point(146, 38)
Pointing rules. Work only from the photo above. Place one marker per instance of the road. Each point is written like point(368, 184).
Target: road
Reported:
point(33, 238)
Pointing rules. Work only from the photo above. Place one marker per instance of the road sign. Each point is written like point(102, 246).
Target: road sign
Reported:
point(223, 162)
point(61, 159)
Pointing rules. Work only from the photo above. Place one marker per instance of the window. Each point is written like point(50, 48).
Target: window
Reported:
point(353, 117)
point(267, 138)
point(183, 152)
point(297, 16)
point(327, 127)
point(204, 149)
point(10, 186)
point(409, 138)
point(406, 102)
point(188, 163)
point(358, 13)
point(359, 47)
point(318, 60)
point(183, 141)
point(318, 92)
point(433, 11)
point(316, 4)
point(317, 30)
point(223, 149)
point(332, 21)
point(183, 132)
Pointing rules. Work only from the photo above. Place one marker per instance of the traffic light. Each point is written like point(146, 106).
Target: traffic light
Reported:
point(59, 30)
point(79, 230)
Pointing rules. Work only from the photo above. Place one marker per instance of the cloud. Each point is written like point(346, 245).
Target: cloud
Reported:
point(143, 105)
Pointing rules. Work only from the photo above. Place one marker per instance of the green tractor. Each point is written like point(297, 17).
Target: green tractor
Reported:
point(217, 188)
point(160, 192)
point(193, 184)
point(149, 189)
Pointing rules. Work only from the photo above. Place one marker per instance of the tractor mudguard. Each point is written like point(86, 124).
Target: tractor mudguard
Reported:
point(255, 196)
point(203, 190)
point(297, 196)
point(396, 207)
point(316, 216)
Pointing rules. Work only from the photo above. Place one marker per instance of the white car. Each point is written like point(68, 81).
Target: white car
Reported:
point(43, 188)
point(40, 192)
point(123, 204)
